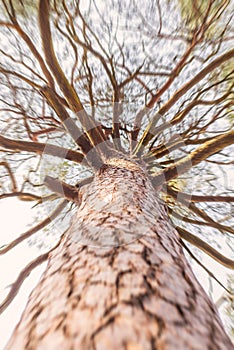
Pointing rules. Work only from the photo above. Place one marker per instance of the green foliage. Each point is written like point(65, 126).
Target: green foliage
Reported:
point(24, 8)
point(200, 12)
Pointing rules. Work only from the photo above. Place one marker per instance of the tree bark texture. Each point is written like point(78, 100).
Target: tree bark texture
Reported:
point(119, 278)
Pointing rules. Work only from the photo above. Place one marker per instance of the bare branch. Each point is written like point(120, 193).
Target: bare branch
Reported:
point(40, 148)
point(155, 98)
point(24, 196)
point(207, 222)
point(63, 189)
point(195, 157)
point(198, 198)
point(203, 266)
point(69, 92)
point(199, 243)
point(21, 278)
point(12, 177)
point(4, 249)
point(51, 59)
point(149, 132)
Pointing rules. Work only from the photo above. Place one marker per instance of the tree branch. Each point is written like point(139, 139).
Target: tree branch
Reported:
point(51, 59)
point(62, 188)
point(40, 148)
point(195, 157)
point(149, 132)
point(199, 198)
point(155, 98)
point(199, 243)
point(21, 278)
point(4, 249)
point(14, 183)
point(203, 266)
point(94, 131)
point(207, 222)
point(24, 196)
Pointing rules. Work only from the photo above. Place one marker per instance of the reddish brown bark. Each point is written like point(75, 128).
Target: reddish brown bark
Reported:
point(141, 295)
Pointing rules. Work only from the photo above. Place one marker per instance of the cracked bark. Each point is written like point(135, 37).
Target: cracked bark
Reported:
point(100, 293)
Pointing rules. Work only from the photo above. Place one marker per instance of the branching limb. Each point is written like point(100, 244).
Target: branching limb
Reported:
point(149, 132)
point(4, 249)
point(51, 59)
point(12, 177)
point(180, 116)
point(65, 118)
point(209, 222)
point(94, 131)
point(62, 189)
point(40, 148)
point(207, 218)
point(89, 145)
point(25, 196)
point(199, 243)
point(21, 278)
point(195, 157)
point(117, 110)
point(20, 76)
point(199, 212)
point(155, 98)
point(203, 266)
point(198, 198)
point(16, 26)
point(198, 36)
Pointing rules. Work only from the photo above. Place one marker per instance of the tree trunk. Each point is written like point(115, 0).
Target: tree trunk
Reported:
point(119, 278)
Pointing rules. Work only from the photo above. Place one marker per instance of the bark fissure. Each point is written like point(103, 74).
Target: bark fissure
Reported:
point(119, 278)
